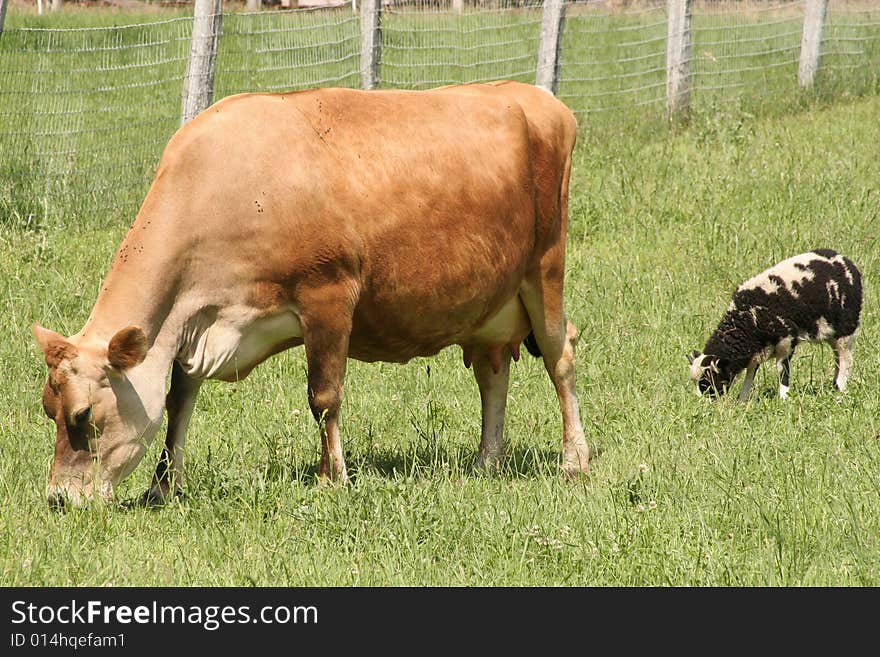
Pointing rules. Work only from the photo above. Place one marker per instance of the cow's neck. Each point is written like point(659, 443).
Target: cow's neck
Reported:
point(139, 290)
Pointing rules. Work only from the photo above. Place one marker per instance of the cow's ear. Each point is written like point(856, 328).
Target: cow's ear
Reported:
point(127, 348)
point(54, 345)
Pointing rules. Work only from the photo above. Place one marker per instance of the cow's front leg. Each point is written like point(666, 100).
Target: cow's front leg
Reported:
point(492, 371)
point(325, 338)
point(179, 402)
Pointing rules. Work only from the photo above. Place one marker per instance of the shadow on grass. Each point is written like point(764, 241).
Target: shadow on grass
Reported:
point(432, 461)
point(423, 462)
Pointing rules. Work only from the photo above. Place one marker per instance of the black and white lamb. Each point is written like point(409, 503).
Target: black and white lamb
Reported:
point(814, 297)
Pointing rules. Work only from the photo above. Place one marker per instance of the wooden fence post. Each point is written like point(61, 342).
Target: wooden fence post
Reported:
point(198, 85)
point(371, 43)
point(550, 50)
point(2, 14)
point(679, 41)
point(811, 42)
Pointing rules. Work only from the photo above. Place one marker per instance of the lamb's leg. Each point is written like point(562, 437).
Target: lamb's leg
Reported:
point(843, 348)
point(784, 352)
point(747, 382)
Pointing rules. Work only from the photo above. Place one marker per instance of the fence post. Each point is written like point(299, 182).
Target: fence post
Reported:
point(811, 42)
point(679, 41)
point(2, 14)
point(550, 50)
point(371, 43)
point(198, 85)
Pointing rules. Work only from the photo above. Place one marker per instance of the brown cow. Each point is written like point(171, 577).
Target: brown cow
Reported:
point(379, 225)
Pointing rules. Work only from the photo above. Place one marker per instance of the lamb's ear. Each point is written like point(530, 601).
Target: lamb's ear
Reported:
point(54, 345)
point(692, 357)
point(127, 348)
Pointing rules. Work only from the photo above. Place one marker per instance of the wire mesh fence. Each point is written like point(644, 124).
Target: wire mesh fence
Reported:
point(86, 109)
point(428, 44)
point(85, 113)
point(275, 51)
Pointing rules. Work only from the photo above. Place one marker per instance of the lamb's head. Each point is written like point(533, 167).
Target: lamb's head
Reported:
point(711, 373)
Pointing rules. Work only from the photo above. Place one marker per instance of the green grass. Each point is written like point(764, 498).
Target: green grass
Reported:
point(683, 491)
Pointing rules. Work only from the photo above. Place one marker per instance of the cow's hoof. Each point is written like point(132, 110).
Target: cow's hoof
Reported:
point(156, 497)
point(574, 472)
point(577, 466)
point(576, 460)
point(338, 481)
point(487, 465)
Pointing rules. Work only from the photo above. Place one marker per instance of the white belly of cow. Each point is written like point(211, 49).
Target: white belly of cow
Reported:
point(237, 340)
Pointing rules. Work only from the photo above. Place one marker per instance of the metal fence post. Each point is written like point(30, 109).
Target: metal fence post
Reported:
point(550, 50)
point(811, 42)
point(371, 42)
point(198, 85)
point(679, 41)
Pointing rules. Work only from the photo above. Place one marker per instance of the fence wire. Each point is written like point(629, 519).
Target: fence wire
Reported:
point(86, 111)
point(746, 50)
point(285, 50)
point(851, 47)
point(613, 56)
point(428, 44)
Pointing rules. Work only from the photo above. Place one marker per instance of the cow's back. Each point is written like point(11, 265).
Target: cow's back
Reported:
point(552, 134)
point(422, 205)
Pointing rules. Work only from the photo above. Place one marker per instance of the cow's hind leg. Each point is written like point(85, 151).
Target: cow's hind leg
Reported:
point(325, 337)
point(556, 338)
point(179, 402)
point(843, 352)
point(492, 371)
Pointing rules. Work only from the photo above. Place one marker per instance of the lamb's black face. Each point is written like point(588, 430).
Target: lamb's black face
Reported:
point(711, 373)
point(714, 384)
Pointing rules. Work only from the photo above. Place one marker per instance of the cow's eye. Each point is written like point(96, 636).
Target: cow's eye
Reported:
point(83, 416)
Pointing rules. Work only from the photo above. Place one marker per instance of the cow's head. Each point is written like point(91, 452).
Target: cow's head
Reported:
point(102, 427)
point(712, 374)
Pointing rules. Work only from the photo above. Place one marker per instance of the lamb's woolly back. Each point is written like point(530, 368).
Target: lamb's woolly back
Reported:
point(811, 296)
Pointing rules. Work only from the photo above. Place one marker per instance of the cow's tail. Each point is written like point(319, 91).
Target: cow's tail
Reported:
point(532, 345)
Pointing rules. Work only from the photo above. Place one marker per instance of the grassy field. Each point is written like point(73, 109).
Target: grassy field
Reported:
point(683, 491)
point(664, 225)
